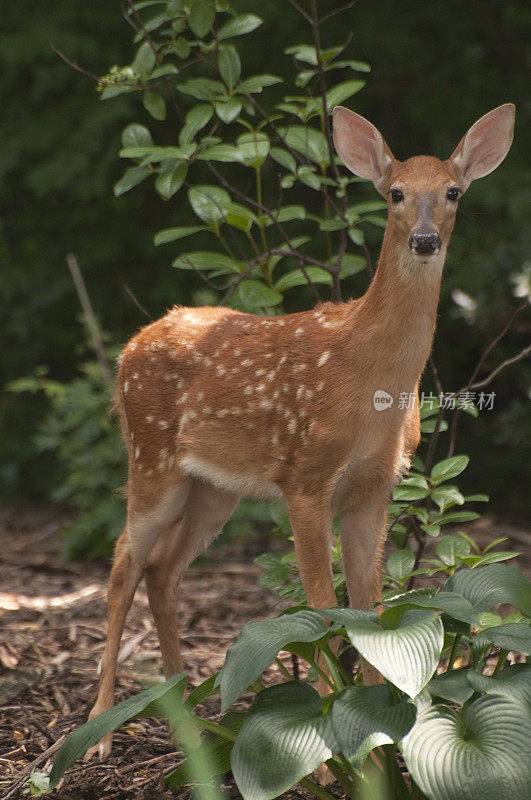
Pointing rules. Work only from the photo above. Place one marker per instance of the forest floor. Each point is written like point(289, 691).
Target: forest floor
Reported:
point(52, 634)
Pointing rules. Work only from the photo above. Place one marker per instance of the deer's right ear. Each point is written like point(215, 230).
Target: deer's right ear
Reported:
point(362, 148)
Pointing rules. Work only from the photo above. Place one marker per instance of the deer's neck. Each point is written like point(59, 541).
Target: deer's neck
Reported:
point(399, 312)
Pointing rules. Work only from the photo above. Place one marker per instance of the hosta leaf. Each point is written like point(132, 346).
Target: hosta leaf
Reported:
point(170, 181)
point(407, 655)
point(476, 755)
point(259, 644)
point(207, 262)
point(453, 686)
point(492, 584)
point(243, 23)
point(284, 737)
point(143, 704)
point(171, 234)
point(257, 295)
point(513, 682)
point(448, 468)
point(365, 717)
point(131, 177)
point(209, 202)
point(451, 603)
point(509, 636)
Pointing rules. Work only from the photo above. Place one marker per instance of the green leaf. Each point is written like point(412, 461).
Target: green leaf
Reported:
point(451, 548)
point(513, 682)
point(170, 181)
point(342, 92)
point(453, 686)
point(407, 655)
point(284, 737)
point(131, 177)
point(237, 26)
point(446, 496)
point(221, 152)
point(451, 603)
point(477, 754)
point(259, 644)
point(152, 154)
point(229, 64)
point(509, 636)
point(201, 692)
point(254, 148)
point(136, 135)
point(400, 564)
point(39, 783)
point(284, 158)
point(144, 60)
point(255, 84)
point(255, 294)
point(350, 265)
point(154, 105)
point(202, 16)
point(239, 216)
point(403, 492)
point(209, 202)
point(303, 52)
point(202, 88)
point(297, 278)
point(206, 261)
point(493, 584)
point(228, 110)
point(171, 234)
point(448, 468)
point(366, 717)
point(89, 734)
point(308, 141)
point(196, 119)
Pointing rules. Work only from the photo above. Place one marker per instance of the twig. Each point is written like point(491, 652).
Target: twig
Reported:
point(26, 772)
point(135, 301)
point(507, 363)
point(337, 11)
point(90, 318)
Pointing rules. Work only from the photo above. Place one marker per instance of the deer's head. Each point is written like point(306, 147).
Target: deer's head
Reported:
point(422, 193)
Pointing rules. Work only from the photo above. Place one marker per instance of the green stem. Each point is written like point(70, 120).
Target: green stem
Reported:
point(323, 674)
point(331, 664)
point(261, 225)
point(219, 730)
point(453, 653)
point(315, 789)
point(501, 661)
point(349, 769)
point(283, 669)
point(225, 245)
point(340, 776)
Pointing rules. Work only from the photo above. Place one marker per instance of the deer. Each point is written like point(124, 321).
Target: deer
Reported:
point(216, 404)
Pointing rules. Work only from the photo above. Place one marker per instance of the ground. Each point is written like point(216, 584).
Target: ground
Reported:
point(52, 622)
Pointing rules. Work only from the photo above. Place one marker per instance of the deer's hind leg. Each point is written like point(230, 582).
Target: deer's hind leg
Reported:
point(148, 513)
point(205, 512)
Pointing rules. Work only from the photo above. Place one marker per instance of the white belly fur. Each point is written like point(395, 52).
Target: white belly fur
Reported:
point(241, 485)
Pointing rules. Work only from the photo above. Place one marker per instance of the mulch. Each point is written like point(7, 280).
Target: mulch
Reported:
point(52, 634)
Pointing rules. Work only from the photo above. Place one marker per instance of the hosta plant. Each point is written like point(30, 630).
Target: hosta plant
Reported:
point(430, 730)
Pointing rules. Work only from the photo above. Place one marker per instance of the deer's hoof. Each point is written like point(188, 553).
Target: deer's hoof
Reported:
point(102, 750)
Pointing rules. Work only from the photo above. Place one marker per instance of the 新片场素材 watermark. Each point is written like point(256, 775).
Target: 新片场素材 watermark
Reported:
point(482, 401)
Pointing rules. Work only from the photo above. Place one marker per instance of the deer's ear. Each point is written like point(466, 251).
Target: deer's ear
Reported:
point(362, 148)
point(485, 145)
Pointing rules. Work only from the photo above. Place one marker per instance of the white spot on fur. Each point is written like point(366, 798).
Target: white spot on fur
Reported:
point(324, 358)
point(292, 425)
point(149, 418)
point(137, 453)
point(299, 332)
point(266, 404)
point(163, 424)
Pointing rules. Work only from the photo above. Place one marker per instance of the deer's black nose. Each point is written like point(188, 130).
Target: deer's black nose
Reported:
point(425, 244)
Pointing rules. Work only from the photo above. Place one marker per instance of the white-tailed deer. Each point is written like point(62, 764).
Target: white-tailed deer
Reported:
point(216, 404)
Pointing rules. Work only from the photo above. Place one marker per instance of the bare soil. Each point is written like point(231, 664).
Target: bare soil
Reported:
point(52, 634)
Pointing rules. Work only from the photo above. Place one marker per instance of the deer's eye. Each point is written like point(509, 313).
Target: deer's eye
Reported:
point(396, 195)
point(453, 193)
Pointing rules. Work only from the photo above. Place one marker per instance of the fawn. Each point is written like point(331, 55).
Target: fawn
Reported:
point(216, 404)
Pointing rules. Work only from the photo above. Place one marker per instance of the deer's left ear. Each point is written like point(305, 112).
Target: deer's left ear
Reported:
point(485, 145)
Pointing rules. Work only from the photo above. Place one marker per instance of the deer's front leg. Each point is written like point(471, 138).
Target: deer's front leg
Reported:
point(362, 543)
point(311, 522)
